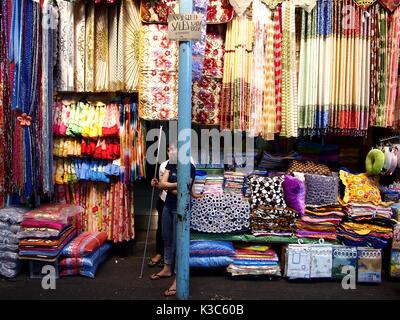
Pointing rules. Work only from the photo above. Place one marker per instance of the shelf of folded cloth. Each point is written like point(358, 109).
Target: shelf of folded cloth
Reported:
point(247, 237)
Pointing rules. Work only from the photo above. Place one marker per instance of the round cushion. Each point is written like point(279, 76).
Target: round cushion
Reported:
point(374, 161)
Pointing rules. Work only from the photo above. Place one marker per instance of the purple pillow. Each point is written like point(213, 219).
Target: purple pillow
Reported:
point(294, 192)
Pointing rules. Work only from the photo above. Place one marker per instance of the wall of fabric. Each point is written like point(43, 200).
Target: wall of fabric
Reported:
point(28, 36)
point(98, 47)
point(99, 151)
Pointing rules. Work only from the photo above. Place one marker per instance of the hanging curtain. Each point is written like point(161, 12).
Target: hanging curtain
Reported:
point(89, 50)
point(66, 54)
point(80, 46)
point(130, 40)
point(158, 80)
point(392, 67)
point(289, 71)
point(278, 66)
point(6, 72)
point(351, 68)
point(49, 45)
point(113, 47)
point(206, 92)
point(108, 207)
point(237, 79)
point(375, 64)
point(315, 73)
point(263, 114)
point(101, 53)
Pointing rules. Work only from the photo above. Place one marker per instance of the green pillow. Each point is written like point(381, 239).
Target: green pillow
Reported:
point(374, 161)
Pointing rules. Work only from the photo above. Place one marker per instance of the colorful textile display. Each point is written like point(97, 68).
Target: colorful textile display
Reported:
point(254, 260)
point(220, 213)
point(29, 29)
point(320, 223)
point(10, 219)
point(98, 47)
point(207, 90)
point(84, 244)
point(234, 182)
point(199, 183)
point(315, 71)
point(214, 185)
point(85, 265)
point(263, 113)
point(366, 225)
point(107, 207)
point(158, 84)
point(237, 78)
point(289, 72)
point(45, 231)
point(111, 132)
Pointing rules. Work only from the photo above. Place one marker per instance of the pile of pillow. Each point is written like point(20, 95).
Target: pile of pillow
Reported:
point(10, 219)
point(211, 254)
point(84, 254)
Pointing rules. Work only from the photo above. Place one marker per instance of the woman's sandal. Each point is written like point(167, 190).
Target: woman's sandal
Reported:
point(169, 292)
point(157, 276)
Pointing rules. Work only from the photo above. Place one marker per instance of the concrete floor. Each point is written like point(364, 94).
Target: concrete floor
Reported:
point(118, 278)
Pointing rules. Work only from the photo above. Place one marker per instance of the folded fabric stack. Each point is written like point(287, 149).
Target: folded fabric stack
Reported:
point(211, 254)
point(199, 183)
point(366, 225)
point(270, 221)
point(234, 181)
point(320, 222)
point(214, 185)
point(84, 254)
point(276, 162)
point(313, 151)
point(390, 193)
point(254, 260)
point(45, 231)
point(10, 219)
point(73, 170)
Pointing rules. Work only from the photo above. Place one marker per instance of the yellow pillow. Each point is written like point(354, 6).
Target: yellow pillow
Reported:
point(360, 188)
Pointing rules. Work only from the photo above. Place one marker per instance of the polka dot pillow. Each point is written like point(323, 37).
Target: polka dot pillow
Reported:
point(360, 188)
point(267, 192)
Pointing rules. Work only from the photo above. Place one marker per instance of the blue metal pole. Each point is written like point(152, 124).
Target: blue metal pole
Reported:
point(184, 125)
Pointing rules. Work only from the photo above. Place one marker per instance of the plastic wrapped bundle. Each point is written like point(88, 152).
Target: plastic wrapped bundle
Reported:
point(86, 266)
point(10, 219)
point(220, 213)
point(254, 260)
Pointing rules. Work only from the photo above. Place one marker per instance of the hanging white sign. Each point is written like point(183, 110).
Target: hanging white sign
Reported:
point(184, 27)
